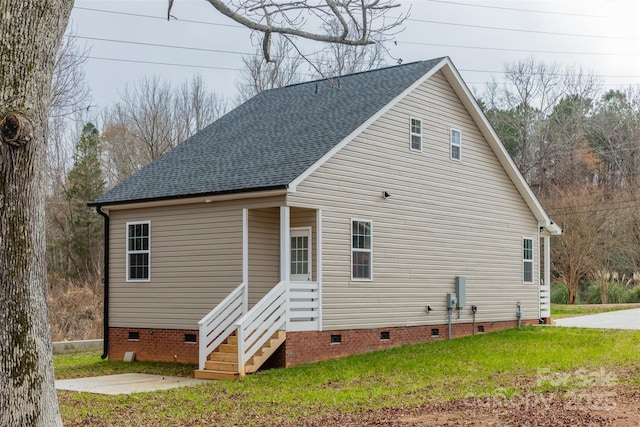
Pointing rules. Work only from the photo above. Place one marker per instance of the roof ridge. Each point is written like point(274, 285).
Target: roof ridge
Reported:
point(323, 79)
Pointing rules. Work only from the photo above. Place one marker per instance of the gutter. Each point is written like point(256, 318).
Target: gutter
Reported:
point(238, 193)
point(105, 280)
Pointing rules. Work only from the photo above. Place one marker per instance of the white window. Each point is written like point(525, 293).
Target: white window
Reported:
point(527, 260)
point(138, 251)
point(361, 250)
point(416, 134)
point(456, 144)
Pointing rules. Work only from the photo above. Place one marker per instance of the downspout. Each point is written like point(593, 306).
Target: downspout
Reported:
point(105, 280)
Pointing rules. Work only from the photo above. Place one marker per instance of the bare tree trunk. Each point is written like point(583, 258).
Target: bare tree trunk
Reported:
point(30, 33)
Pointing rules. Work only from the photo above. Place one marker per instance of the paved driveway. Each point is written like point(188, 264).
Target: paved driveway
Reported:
point(623, 319)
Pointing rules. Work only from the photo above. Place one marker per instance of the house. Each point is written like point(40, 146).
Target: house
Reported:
point(325, 219)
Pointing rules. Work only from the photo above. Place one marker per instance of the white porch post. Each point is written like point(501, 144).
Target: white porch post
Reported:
point(285, 255)
point(319, 262)
point(545, 288)
point(285, 244)
point(245, 257)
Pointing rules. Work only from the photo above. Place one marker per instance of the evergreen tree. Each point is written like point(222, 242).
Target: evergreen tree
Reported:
point(85, 182)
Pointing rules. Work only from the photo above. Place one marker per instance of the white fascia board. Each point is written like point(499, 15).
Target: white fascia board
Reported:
point(294, 184)
point(463, 92)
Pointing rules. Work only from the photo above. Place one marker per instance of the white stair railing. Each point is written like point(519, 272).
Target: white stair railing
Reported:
point(545, 300)
point(259, 324)
point(304, 307)
point(216, 326)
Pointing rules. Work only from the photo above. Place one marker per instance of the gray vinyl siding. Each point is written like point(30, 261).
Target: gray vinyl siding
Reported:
point(444, 218)
point(196, 260)
point(264, 252)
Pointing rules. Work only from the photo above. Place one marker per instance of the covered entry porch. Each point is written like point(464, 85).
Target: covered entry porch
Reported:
point(281, 291)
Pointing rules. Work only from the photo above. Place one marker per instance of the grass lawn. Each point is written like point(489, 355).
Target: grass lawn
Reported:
point(566, 310)
point(505, 365)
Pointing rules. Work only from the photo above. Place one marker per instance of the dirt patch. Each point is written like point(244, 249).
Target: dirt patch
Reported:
point(616, 406)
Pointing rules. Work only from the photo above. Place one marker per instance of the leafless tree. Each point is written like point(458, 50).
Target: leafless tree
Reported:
point(69, 91)
point(523, 110)
point(152, 117)
point(70, 100)
point(287, 65)
point(257, 75)
point(585, 219)
point(360, 22)
point(339, 59)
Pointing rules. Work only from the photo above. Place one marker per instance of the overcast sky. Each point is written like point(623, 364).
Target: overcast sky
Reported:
point(131, 39)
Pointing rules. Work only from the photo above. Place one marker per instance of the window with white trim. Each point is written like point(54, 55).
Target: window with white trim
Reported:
point(138, 251)
point(527, 260)
point(416, 134)
point(361, 250)
point(456, 144)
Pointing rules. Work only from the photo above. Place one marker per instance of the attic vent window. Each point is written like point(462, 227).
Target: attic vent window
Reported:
point(336, 339)
point(456, 144)
point(416, 134)
point(134, 336)
point(527, 260)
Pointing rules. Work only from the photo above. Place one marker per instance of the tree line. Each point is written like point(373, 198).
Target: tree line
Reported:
point(575, 143)
point(578, 146)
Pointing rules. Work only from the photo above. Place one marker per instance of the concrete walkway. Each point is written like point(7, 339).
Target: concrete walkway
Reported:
point(622, 319)
point(125, 383)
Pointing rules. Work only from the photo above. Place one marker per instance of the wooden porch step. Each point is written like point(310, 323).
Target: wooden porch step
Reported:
point(265, 352)
point(223, 357)
point(215, 375)
point(228, 348)
point(215, 365)
point(222, 364)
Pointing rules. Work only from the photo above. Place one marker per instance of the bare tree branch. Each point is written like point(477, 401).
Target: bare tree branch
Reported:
point(362, 22)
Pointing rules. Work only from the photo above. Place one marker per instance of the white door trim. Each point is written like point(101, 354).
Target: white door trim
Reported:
point(302, 232)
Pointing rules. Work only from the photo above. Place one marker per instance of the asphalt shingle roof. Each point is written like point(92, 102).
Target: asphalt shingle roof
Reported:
point(269, 140)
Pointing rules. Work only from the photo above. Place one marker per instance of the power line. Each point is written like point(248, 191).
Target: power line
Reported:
point(101, 58)
point(200, 49)
point(140, 15)
point(591, 205)
point(594, 211)
point(408, 19)
point(550, 74)
point(524, 10)
point(519, 30)
point(163, 63)
point(557, 52)
point(400, 42)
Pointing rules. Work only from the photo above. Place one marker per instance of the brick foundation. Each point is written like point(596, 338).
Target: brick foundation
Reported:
point(160, 345)
point(304, 347)
point(168, 345)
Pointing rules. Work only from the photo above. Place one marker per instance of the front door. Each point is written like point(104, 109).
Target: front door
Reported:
point(301, 254)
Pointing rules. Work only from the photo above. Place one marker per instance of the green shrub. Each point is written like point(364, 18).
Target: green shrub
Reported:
point(592, 294)
point(559, 293)
point(616, 294)
point(633, 295)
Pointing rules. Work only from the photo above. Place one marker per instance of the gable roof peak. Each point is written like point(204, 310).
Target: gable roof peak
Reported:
point(270, 140)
